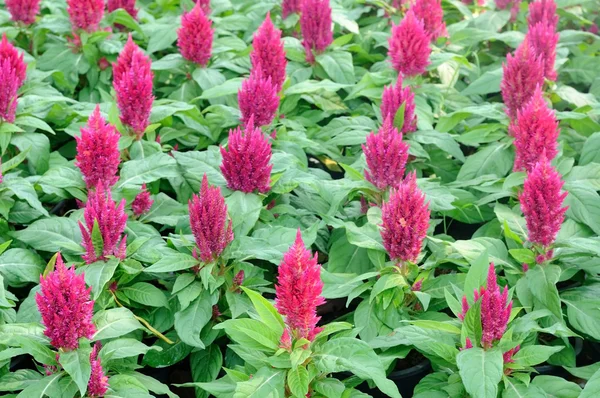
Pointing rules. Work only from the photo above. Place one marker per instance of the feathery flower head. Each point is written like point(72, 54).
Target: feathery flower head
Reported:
point(195, 36)
point(386, 157)
point(535, 131)
point(289, 7)
point(409, 46)
point(522, 73)
point(508, 355)
point(65, 305)
point(142, 202)
point(12, 76)
point(543, 39)
point(286, 340)
point(392, 99)
point(98, 155)
point(298, 290)
point(127, 5)
point(132, 81)
point(543, 11)
point(98, 383)
point(209, 221)
point(514, 7)
point(405, 221)
point(541, 202)
point(23, 11)
point(315, 24)
point(268, 53)
point(111, 221)
point(495, 309)
point(258, 99)
point(205, 5)
point(85, 14)
point(238, 279)
point(432, 15)
point(245, 163)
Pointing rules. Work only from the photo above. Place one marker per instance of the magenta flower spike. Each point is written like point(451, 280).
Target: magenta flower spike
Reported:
point(541, 202)
point(205, 5)
point(392, 99)
point(98, 155)
point(245, 163)
point(535, 131)
point(85, 14)
point(268, 53)
point(132, 81)
point(12, 75)
point(210, 223)
point(195, 36)
point(258, 99)
point(409, 46)
point(111, 221)
point(316, 27)
point(405, 221)
point(386, 157)
point(127, 5)
point(23, 11)
point(98, 383)
point(543, 39)
point(66, 308)
point(289, 7)
point(298, 291)
point(543, 11)
point(142, 202)
point(522, 73)
point(495, 310)
point(432, 15)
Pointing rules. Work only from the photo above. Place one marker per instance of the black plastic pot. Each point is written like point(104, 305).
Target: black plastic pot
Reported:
point(406, 380)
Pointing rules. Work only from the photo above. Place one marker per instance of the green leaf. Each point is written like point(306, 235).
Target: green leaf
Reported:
point(481, 371)
point(190, 321)
point(51, 235)
point(399, 117)
point(172, 263)
point(338, 66)
point(97, 240)
point(496, 159)
point(251, 334)
point(477, 275)
point(487, 83)
point(124, 348)
point(542, 284)
point(297, 381)
point(146, 170)
point(590, 151)
point(244, 209)
point(584, 204)
point(19, 266)
point(523, 255)
point(98, 274)
point(267, 313)
point(77, 364)
point(444, 141)
point(367, 236)
point(145, 293)
point(114, 322)
point(349, 354)
point(206, 365)
point(535, 354)
point(48, 386)
point(228, 87)
point(386, 282)
point(592, 387)
point(265, 383)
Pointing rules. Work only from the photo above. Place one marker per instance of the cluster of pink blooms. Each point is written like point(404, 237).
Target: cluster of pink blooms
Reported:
point(392, 99)
point(268, 53)
point(289, 7)
point(85, 14)
point(405, 219)
point(12, 75)
point(543, 11)
point(409, 46)
point(432, 15)
point(98, 155)
point(535, 130)
point(98, 383)
point(315, 24)
point(386, 157)
point(514, 7)
point(111, 219)
point(23, 11)
point(258, 99)
point(209, 221)
point(142, 202)
point(195, 37)
point(127, 5)
point(541, 202)
point(246, 162)
point(495, 309)
point(523, 72)
point(65, 305)
point(543, 40)
point(132, 81)
point(298, 292)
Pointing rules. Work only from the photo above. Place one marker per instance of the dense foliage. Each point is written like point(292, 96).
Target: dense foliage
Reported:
point(307, 198)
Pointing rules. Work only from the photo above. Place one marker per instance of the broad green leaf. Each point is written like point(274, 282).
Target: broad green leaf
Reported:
point(77, 364)
point(481, 371)
point(190, 321)
point(145, 293)
point(244, 209)
point(266, 383)
point(124, 348)
point(51, 235)
point(206, 365)
point(146, 170)
point(19, 266)
point(592, 387)
point(267, 313)
point(98, 274)
point(172, 263)
point(114, 322)
point(297, 381)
